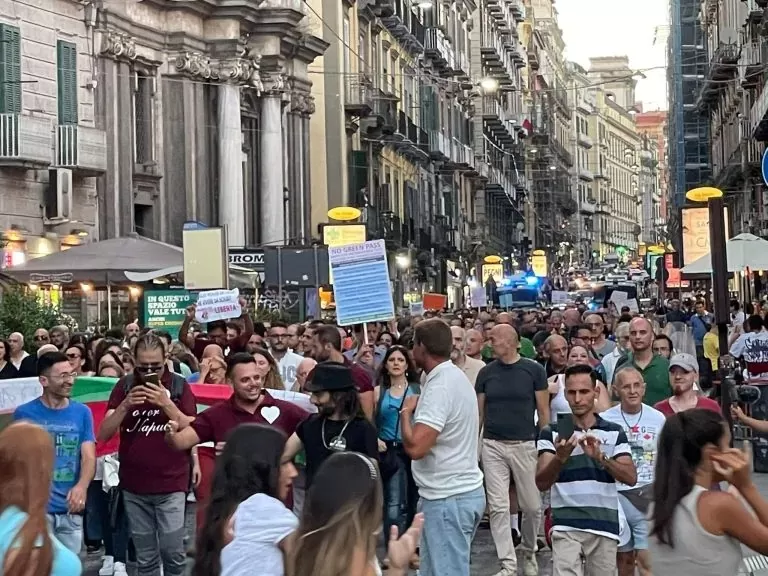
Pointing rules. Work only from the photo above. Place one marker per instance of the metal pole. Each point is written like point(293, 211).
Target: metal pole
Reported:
point(720, 293)
point(109, 305)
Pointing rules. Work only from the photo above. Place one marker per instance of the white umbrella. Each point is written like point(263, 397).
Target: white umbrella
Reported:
point(744, 251)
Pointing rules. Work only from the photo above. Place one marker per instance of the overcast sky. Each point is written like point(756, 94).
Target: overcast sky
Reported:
point(618, 28)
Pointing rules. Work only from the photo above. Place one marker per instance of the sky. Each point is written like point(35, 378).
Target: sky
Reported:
point(620, 28)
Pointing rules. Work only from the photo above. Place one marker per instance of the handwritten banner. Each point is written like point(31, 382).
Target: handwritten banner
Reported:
point(215, 305)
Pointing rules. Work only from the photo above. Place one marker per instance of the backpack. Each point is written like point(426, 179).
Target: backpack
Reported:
point(177, 385)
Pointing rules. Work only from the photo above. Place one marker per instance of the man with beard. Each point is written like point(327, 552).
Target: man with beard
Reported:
point(326, 347)
point(339, 425)
point(683, 372)
point(469, 366)
point(475, 343)
point(287, 360)
point(249, 403)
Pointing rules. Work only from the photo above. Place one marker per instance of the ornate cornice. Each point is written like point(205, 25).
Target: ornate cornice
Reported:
point(243, 70)
point(302, 104)
point(118, 45)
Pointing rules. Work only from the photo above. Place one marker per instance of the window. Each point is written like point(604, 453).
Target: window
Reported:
point(67, 82)
point(10, 70)
point(143, 118)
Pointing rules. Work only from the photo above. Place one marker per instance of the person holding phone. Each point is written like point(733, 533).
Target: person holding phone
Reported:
point(581, 458)
point(154, 477)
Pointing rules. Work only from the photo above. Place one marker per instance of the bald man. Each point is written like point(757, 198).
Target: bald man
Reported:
point(571, 318)
point(302, 371)
point(504, 318)
point(475, 341)
point(600, 344)
point(45, 349)
point(654, 368)
point(556, 350)
point(470, 366)
point(212, 350)
point(510, 390)
point(24, 363)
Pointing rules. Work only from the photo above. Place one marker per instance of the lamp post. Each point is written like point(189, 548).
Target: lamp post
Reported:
point(717, 250)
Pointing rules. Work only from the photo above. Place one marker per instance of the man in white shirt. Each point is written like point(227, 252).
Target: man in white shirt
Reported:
point(642, 425)
point(287, 360)
point(622, 346)
point(440, 431)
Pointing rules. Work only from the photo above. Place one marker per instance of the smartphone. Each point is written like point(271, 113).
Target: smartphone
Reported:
point(151, 378)
point(565, 426)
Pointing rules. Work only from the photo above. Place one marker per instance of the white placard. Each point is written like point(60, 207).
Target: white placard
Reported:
point(215, 305)
point(559, 297)
point(17, 391)
point(621, 299)
point(477, 297)
point(417, 308)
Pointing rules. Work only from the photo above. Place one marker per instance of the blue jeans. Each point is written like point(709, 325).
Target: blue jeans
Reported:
point(449, 527)
point(68, 529)
point(400, 499)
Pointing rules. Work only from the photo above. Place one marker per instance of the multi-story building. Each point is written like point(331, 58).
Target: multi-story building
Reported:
point(649, 191)
point(498, 58)
point(616, 174)
point(393, 134)
point(688, 154)
point(653, 125)
point(134, 116)
point(583, 174)
point(733, 100)
point(549, 155)
point(52, 141)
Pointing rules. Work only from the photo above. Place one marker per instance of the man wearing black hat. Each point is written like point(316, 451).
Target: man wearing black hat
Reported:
point(340, 424)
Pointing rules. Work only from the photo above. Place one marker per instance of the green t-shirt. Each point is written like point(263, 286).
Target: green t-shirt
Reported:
point(655, 375)
point(527, 350)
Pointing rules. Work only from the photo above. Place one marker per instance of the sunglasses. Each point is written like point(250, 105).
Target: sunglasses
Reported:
point(39, 338)
point(148, 368)
point(74, 356)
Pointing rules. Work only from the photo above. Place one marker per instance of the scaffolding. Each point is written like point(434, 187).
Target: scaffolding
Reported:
point(688, 134)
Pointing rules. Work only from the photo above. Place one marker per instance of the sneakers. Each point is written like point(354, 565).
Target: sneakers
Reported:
point(530, 565)
point(108, 566)
point(120, 569)
point(506, 572)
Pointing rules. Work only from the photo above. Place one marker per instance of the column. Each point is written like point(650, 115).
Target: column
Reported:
point(231, 195)
point(273, 231)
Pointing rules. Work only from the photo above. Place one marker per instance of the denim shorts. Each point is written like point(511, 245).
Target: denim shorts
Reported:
point(638, 524)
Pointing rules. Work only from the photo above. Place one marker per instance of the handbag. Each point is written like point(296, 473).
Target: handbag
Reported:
point(389, 460)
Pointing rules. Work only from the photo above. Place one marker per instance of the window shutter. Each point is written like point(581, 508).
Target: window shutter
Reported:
point(10, 70)
point(67, 86)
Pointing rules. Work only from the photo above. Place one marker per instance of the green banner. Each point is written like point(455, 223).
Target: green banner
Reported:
point(165, 309)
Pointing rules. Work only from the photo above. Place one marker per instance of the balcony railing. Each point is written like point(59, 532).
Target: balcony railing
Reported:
point(81, 148)
point(436, 47)
point(438, 144)
point(358, 98)
point(586, 175)
point(585, 140)
point(25, 140)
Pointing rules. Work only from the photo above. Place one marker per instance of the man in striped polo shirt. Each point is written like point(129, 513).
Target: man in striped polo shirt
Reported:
point(582, 471)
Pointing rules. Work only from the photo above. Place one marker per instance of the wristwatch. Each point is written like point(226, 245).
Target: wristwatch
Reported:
point(604, 458)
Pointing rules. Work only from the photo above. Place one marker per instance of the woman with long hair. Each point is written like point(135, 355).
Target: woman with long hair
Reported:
point(558, 403)
point(246, 520)
point(26, 470)
point(695, 530)
point(78, 359)
point(397, 379)
point(7, 369)
point(341, 522)
point(265, 361)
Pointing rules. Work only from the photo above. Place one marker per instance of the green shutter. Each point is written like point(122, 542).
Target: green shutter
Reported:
point(428, 108)
point(67, 76)
point(10, 70)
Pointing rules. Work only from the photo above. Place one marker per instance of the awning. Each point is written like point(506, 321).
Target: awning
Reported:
point(744, 251)
point(100, 263)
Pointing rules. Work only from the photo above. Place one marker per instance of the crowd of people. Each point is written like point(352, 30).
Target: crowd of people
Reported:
point(385, 446)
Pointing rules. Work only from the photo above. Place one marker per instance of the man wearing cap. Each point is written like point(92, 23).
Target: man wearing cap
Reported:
point(340, 424)
point(683, 373)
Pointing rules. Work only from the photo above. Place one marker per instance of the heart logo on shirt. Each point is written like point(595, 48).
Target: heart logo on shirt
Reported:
point(270, 413)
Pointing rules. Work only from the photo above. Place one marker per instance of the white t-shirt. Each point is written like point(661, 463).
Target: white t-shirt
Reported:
point(642, 432)
point(448, 404)
point(261, 523)
point(289, 366)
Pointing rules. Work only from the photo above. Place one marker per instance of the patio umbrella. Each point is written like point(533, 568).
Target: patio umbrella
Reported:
point(744, 251)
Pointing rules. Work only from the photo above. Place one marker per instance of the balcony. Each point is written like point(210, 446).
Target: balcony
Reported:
point(533, 58)
point(439, 145)
point(81, 149)
point(404, 25)
point(751, 64)
point(491, 49)
point(520, 56)
point(586, 175)
point(585, 141)
point(358, 99)
point(437, 48)
point(25, 141)
point(518, 10)
point(391, 229)
point(385, 109)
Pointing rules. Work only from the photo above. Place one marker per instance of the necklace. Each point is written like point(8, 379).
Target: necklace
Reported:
point(632, 426)
point(338, 443)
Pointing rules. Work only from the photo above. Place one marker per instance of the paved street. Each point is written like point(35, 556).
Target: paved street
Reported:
point(484, 561)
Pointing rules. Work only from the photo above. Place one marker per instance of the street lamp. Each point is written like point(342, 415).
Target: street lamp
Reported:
point(403, 261)
point(489, 85)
